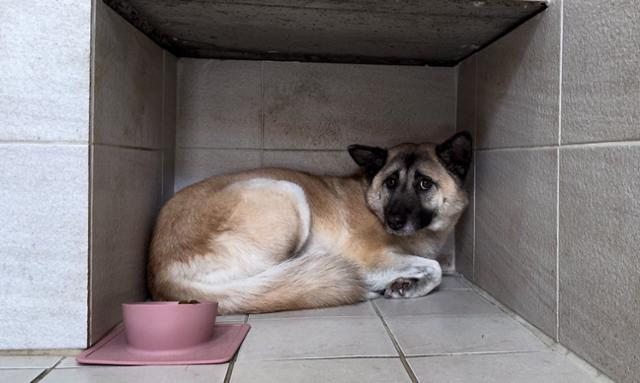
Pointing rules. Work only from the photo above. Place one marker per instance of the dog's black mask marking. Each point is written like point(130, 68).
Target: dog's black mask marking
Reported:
point(370, 159)
point(405, 207)
point(455, 154)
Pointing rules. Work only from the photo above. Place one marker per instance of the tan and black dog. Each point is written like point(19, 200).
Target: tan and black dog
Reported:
point(274, 239)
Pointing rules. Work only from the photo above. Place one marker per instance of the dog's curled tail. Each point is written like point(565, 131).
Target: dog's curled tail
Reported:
point(308, 281)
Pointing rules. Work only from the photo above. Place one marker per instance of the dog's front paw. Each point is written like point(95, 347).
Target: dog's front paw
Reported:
point(400, 287)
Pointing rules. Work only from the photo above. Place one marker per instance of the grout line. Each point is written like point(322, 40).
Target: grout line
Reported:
point(602, 144)
point(90, 228)
point(466, 353)
point(517, 148)
point(427, 355)
point(176, 121)
point(578, 145)
point(232, 363)
point(456, 91)
point(475, 167)
point(163, 177)
point(46, 371)
point(264, 149)
point(560, 74)
point(70, 352)
point(513, 148)
point(403, 360)
point(557, 335)
point(44, 142)
point(132, 147)
point(261, 113)
point(163, 127)
point(341, 357)
point(90, 173)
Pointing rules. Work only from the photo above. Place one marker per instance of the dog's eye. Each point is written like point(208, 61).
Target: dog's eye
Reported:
point(425, 184)
point(391, 182)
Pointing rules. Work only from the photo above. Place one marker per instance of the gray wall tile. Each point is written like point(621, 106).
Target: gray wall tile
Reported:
point(518, 85)
point(126, 198)
point(466, 121)
point(45, 80)
point(329, 106)
point(170, 81)
point(466, 95)
point(44, 261)
point(601, 61)
point(334, 163)
point(193, 165)
point(128, 84)
point(220, 106)
point(464, 233)
point(599, 264)
point(219, 103)
point(446, 254)
point(516, 231)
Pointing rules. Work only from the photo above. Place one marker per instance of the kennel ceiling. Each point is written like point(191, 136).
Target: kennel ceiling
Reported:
point(413, 32)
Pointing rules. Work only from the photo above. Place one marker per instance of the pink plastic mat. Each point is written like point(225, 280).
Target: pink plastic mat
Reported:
point(113, 349)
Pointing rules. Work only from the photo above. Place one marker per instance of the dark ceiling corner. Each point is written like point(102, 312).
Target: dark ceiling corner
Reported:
point(404, 32)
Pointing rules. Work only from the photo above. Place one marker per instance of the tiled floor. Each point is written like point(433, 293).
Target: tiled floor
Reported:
point(453, 335)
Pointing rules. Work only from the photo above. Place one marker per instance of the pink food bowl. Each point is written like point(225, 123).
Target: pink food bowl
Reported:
point(158, 326)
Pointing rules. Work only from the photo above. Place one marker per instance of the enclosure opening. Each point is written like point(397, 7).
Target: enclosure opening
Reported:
point(144, 98)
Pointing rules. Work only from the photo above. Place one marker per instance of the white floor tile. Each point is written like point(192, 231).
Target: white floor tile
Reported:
point(447, 302)
point(379, 370)
point(360, 309)
point(443, 334)
point(315, 338)
point(537, 367)
point(35, 361)
point(138, 374)
point(22, 375)
point(69, 362)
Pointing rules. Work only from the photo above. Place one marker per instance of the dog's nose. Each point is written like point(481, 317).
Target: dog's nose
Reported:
point(396, 222)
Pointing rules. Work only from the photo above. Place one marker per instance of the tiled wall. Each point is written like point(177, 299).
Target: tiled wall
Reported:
point(132, 161)
point(238, 115)
point(553, 228)
point(600, 185)
point(44, 197)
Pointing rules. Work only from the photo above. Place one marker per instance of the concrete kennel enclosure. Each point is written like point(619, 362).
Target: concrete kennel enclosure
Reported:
point(100, 123)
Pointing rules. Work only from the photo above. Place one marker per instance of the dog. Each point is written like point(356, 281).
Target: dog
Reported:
point(274, 239)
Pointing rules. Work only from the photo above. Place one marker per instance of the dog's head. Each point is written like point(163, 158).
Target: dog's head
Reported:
point(416, 186)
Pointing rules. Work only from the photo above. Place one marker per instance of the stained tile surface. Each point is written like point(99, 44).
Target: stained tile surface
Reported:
point(464, 338)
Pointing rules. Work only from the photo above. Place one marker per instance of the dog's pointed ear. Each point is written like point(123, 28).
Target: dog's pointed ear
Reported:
point(455, 153)
point(371, 159)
